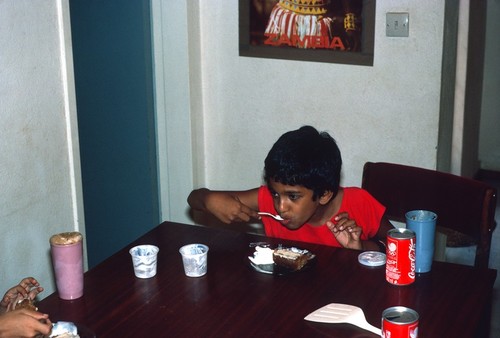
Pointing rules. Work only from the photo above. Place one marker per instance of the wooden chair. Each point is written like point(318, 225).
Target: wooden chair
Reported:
point(465, 207)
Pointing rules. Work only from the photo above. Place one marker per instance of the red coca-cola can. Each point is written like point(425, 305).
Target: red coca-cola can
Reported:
point(400, 265)
point(399, 322)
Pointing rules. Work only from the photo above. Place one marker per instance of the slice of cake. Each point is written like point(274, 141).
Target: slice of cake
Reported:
point(291, 258)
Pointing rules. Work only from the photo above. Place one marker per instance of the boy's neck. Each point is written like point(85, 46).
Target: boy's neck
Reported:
point(326, 212)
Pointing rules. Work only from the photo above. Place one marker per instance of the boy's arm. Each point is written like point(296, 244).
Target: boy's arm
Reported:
point(384, 227)
point(227, 206)
point(379, 242)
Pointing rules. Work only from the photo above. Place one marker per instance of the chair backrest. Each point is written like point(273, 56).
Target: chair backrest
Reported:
point(462, 204)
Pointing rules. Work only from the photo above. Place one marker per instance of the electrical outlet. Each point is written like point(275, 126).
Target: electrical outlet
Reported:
point(397, 24)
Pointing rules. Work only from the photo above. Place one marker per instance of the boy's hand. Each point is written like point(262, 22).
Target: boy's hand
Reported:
point(346, 231)
point(228, 208)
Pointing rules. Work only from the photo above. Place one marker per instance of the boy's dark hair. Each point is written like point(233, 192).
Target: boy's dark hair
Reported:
point(305, 157)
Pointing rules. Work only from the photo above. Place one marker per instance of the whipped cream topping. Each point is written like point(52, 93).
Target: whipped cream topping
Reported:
point(262, 256)
point(64, 330)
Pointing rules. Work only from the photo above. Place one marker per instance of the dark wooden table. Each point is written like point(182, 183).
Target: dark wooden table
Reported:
point(233, 300)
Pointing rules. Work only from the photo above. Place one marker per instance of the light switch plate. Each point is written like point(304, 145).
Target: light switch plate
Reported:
point(397, 24)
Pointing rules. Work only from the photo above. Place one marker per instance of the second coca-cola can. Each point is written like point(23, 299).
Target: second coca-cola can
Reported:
point(400, 266)
point(399, 322)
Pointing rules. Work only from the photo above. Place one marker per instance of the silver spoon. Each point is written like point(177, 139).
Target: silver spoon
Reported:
point(276, 217)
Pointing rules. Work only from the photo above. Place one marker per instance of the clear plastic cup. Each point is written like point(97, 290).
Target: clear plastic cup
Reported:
point(144, 259)
point(194, 258)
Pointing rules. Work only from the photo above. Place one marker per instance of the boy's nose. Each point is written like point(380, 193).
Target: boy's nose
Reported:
point(281, 205)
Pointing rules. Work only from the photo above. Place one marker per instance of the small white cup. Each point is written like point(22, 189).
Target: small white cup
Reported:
point(194, 258)
point(144, 259)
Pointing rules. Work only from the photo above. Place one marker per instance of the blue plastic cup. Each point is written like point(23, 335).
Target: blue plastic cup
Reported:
point(423, 223)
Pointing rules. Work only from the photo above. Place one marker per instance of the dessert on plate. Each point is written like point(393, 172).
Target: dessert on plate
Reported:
point(292, 259)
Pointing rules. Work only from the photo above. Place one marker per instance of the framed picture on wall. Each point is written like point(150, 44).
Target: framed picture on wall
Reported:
point(338, 31)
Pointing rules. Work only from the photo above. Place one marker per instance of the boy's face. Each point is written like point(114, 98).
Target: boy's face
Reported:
point(294, 203)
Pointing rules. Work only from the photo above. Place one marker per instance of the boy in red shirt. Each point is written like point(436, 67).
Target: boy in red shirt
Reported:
point(302, 175)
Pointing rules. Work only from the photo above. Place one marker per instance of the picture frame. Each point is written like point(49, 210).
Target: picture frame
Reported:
point(258, 39)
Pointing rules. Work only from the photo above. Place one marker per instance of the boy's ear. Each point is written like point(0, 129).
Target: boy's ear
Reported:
point(326, 197)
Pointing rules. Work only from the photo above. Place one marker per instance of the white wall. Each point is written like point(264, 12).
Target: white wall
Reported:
point(39, 167)
point(489, 141)
point(460, 88)
point(239, 106)
point(173, 101)
point(388, 112)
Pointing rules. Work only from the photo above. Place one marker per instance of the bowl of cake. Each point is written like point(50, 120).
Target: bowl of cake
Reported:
point(280, 260)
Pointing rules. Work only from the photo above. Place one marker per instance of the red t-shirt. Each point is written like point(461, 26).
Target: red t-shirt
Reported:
point(358, 203)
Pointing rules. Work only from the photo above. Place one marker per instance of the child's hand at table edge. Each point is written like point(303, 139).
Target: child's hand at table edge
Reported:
point(346, 231)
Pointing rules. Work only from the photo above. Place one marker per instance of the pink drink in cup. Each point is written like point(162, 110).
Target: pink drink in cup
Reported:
point(67, 259)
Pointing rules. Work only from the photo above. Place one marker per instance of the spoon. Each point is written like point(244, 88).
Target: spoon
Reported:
point(342, 313)
point(276, 217)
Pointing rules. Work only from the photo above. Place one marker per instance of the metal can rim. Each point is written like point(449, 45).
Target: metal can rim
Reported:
point(401, 309)
point(406, 233)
